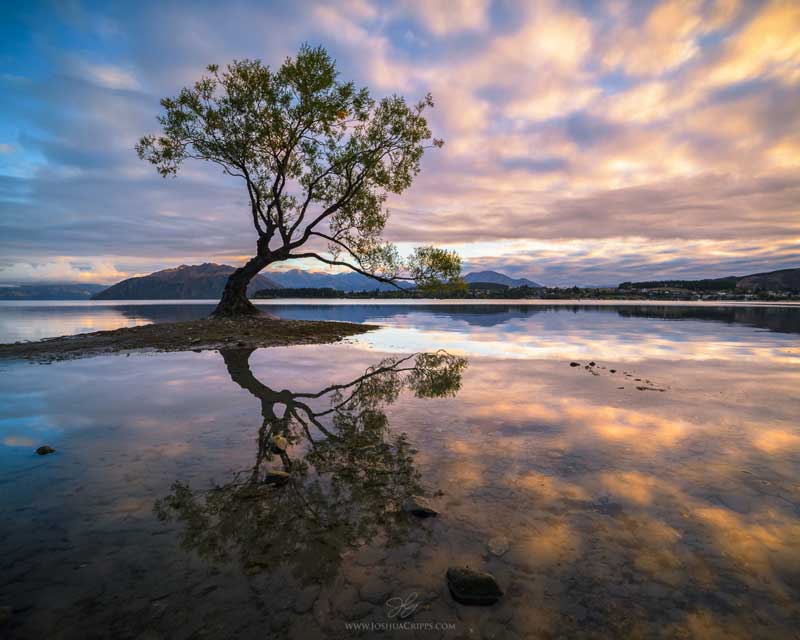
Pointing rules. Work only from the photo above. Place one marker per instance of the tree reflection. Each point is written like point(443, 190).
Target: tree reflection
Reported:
point(328, 473)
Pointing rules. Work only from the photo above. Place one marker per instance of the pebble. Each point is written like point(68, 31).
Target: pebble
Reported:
point(471, 587)
point(375, 590)
point(419, 506)
point(277, 478)
point(44, 450)
point(280, 443)
point(358, 611)
point(305, 599)
point(498, 545)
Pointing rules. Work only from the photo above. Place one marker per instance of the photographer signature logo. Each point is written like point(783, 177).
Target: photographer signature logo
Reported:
point(401, 608)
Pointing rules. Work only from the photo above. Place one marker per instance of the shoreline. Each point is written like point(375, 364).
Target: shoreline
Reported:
point(207, 334)
point(268, 302)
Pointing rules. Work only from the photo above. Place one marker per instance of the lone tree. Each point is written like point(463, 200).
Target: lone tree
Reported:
point(318, 158)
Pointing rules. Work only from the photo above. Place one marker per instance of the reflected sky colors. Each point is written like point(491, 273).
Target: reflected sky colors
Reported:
point(539, 330)
point(665, 511)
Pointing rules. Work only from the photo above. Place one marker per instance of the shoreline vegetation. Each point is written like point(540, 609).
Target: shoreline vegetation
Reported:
point(207, 334)
point(501, 292)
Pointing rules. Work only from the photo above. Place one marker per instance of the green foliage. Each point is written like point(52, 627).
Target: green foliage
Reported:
point(708, 284)
point(318, 157)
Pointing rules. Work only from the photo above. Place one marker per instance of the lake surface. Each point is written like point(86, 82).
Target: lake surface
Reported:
point(257, 494)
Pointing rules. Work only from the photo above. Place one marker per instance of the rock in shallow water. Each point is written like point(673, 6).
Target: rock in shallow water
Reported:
point(498, 545)
point(278, 444)
point(44, 450)
point(471, 587)
point(276, 478)
point(419, 506)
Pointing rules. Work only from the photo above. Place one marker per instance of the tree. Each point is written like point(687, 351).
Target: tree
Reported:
point(318, 158)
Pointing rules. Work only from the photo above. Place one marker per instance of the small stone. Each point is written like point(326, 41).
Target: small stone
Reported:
point(419, 506)
point(276, 478)
point(305, 599)
point(357, 611)
point(279, 443)
point(591, 364)
point(574, 364)
point(498, 545)
point(375, 591)
point(44, 450)
point(241, 344)
point(613, 370)
point(280, 620)
point(471, 587)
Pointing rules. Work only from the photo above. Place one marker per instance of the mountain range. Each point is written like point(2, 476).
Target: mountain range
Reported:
point(206, 281)
point(494, 277)
point(187, 282)
point(781, 280)
point(50, 291)
point(348, 281)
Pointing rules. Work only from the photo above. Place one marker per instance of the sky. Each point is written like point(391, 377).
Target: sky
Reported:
point(585, 142)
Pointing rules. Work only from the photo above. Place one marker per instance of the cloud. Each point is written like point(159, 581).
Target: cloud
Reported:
point(109, 76)
point(450, 16)
point(64, 269)
point(767, 46)
point(579, 137)
point(664, 40)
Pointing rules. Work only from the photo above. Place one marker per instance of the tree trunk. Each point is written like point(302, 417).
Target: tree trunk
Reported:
point(234, 302)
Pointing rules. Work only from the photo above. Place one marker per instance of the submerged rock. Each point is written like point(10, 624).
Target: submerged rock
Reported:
point(471, 587)
point(44, 450)
point(574, 364)
point(276, 478)
point(419, 506)
point(279, 443)
point(375, 590)
point(498, 545)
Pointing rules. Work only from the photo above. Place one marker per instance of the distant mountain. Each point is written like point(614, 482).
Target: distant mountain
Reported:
point(782, 280)
point(500, 278)
point(50, 291)
point(187, 282)
point(348, 281)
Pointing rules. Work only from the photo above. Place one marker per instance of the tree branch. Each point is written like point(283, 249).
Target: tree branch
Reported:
point(340, 263)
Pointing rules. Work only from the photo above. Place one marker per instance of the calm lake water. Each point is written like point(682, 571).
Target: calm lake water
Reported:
point(654, 494)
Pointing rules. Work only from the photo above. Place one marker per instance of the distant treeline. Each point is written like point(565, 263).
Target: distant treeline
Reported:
point(305, 292)
point(710, 284)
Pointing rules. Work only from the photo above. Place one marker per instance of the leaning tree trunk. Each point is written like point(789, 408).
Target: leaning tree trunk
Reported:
point(234, 300)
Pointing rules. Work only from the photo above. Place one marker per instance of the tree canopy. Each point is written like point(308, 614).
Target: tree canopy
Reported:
point(318, 157)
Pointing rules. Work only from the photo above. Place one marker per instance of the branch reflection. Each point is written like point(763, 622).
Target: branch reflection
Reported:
point(328, 474)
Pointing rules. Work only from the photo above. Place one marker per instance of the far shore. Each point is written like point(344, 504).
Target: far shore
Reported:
point(584, 302)
point(197, 335)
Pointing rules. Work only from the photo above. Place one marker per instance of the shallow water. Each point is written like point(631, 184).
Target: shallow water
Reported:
point(665, 508)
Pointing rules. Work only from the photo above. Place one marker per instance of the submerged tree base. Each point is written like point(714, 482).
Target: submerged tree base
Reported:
point(197, 335)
